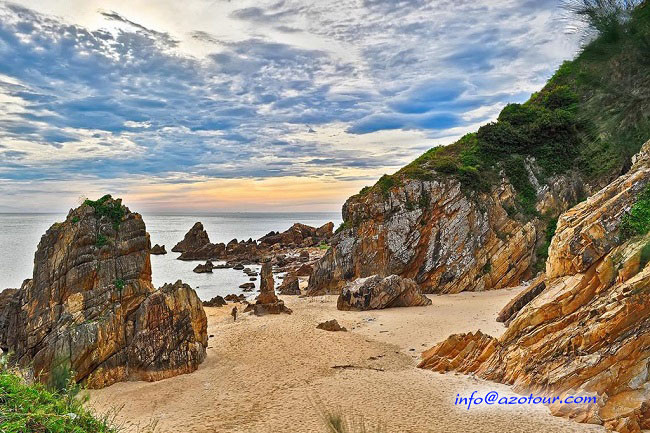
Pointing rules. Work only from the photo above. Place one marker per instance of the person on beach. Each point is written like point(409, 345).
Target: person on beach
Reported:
point(233, 313)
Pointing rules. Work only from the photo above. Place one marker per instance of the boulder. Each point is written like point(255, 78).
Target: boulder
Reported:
point(290, 285)
point(376, 293)
point(332, 326)
point(196, 238)
point(158, 250)
point(206, 268)
point(305, 270)
point(588, 332)
point(235, 298)
point(247, 286)
point(267, 302)
point(217, 301)
point(91, 306)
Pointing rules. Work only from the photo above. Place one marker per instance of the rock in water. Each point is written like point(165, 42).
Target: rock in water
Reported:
point(91, 306)
point(206, 268)
point(290, 285)
point(332, 326)
point(375, 293)
point(195, 239)
point(158, 250)
point(267, 301)
point(588, 331)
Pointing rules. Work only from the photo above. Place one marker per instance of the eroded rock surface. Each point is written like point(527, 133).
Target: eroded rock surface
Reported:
point(158, 250)
point(196, 238)
point(91, 306)
point(445, 239)
point(290, 285)
point(588, 331)
point(267, 301)
point(331, 326)
point(375, 293)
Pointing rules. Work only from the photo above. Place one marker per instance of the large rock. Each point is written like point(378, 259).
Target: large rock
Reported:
point(375, 293)
point(206, 252)
point(158, 250)
point(588, 331)
point(91, 305)
point(290, 285)
point(196, 238)
point(446, 239)
point(267, 301)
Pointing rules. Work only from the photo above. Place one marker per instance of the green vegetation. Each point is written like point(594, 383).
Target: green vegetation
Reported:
point(107, 207)
point(75, 219)
point(119, 284)
point(637, 221)
point(591, 116)
point(35, 408)
point(542, 250)
point(101, 241)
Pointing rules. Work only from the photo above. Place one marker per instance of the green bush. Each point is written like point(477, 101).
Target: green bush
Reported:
point(385, 183)
point(637, 221)
point(107, 207)
point(33, 408)
point(119, 284)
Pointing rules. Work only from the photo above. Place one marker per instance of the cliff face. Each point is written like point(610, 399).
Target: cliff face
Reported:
point(444, 239)
point(588, 331)
point(91, 306)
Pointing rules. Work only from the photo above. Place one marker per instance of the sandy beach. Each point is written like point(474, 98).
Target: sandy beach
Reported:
point(263, 374)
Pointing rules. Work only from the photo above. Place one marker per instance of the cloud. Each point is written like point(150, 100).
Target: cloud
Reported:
point(285, 88)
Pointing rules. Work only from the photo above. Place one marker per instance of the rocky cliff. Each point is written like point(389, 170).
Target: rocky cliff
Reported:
point(440, 236)
point(588, 331)
point(90, 306)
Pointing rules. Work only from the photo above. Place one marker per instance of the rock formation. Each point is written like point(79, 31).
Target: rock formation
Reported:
point(91, 306)
point(332, 326)
point(290, 285)
point(196, 238)
point(217, 301)
point(299, 235)
point(588, 331)
point(447, 241)
point(158, 250)
point(267, 302)
point(206, 268)
point(375, 293)
point(206, 252)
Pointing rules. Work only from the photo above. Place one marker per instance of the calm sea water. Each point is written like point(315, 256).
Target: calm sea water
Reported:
point(20, 234)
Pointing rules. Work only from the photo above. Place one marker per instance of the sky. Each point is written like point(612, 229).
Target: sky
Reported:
point(237, 105)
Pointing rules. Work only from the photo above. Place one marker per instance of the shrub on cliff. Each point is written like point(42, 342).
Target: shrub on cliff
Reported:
point(637, 221)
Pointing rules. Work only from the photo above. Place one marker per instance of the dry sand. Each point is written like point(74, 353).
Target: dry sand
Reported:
point(262, 374)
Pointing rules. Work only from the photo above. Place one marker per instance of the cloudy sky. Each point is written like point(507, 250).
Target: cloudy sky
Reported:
point(289, 105)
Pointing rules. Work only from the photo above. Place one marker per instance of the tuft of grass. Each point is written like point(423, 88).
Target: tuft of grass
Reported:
point(33, 407)
point(385, 183)
point(119, 284)
point(337, 422)
point(101, 241)
point(107, 207)
point(637, 221)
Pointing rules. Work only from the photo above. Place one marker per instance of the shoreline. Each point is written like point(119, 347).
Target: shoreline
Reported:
point(264, 373)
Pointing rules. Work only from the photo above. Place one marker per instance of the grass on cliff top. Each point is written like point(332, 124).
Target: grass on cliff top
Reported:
point(593, 115)
point(108, 207)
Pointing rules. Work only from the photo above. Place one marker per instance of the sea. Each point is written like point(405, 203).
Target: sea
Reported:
point(20, 234)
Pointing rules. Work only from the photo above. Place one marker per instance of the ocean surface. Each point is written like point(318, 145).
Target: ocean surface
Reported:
point(20, 234)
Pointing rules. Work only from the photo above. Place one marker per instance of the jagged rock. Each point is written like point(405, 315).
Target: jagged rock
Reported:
point(305, 270)
point(91, 305)
point(235, 298)
point(217, 301)
point(332, 326)
point(158, 250)
point(206, 252)
point(297, 234)
point(513, 307)
point(206, 268)
point(588, 332)
point(375, 293)
point(290, 285)
point(247, 286)
point(267, 302)
point(431, 231)
point(196, 238)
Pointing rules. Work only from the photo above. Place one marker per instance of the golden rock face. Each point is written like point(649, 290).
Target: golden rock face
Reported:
point(91, 306)
point(588, 331)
